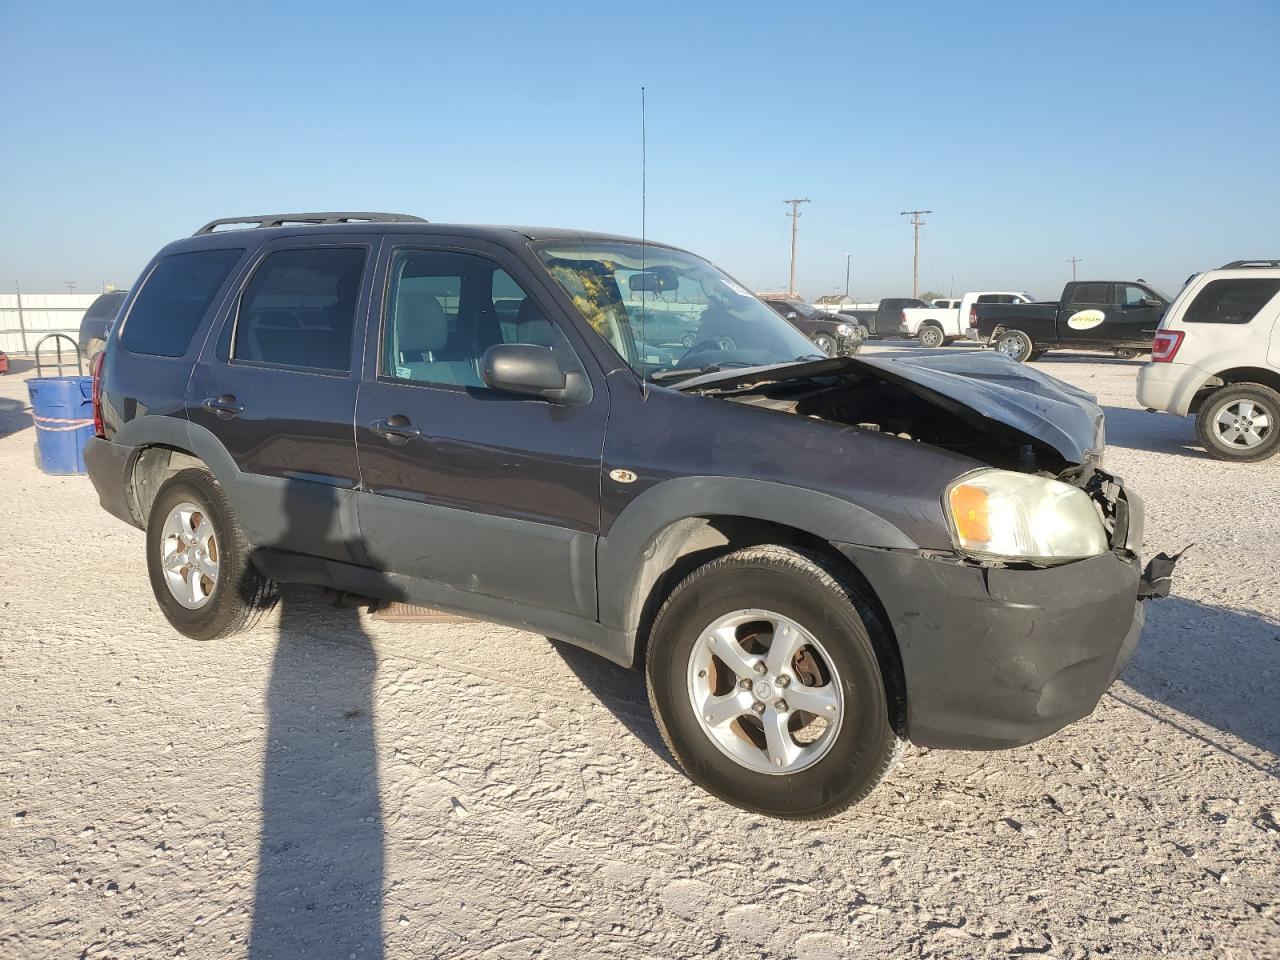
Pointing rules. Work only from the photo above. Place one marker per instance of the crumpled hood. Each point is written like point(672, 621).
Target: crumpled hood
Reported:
point(1039, 406)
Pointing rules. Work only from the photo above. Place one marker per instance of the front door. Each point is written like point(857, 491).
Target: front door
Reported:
point(1088, 316)
point(1138, 313)
point(487, 492)
point(276, 386)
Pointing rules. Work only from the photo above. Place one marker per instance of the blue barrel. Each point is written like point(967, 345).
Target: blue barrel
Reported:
point(62, 408)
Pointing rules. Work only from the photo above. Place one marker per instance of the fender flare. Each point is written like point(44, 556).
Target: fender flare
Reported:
point(622, 554)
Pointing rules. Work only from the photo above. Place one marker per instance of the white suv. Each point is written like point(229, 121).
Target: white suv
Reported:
point(1217, 355)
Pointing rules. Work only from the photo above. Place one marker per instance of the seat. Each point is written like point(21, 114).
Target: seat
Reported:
point(532, 327)
point(422, 332)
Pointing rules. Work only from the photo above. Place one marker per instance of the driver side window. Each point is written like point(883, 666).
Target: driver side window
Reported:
point(1130, 296)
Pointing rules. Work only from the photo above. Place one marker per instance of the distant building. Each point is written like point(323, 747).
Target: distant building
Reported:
point(833, 302)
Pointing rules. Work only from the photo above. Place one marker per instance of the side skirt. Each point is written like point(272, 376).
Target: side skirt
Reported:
point(297, 568)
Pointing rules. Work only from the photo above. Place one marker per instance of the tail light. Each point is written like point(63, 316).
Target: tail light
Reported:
point(973, 314)
point(98, 428)
point(904, 318)
point(1165, 346)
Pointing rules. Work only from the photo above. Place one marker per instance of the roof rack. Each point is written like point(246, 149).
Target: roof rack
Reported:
point(291, 219)
point(1244, 264)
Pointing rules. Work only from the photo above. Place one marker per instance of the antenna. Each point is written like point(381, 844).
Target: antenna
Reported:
point(644, 199)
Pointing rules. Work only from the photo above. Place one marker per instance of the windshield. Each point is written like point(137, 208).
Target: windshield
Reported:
point(668, 313)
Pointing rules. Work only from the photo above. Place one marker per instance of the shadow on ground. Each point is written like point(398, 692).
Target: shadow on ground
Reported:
point(1155, 432)
point(20, 364)
point(621, 690)
point(14, 416)
point(1217, 665)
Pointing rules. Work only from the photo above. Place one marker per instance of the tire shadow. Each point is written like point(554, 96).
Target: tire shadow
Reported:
point(1216, 665)
point(619, 689)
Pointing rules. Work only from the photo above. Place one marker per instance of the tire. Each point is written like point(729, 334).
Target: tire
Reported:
point(826, 343)
point(847, 757)
point(1226, 411)
point(237, 595)
point(931, 336)
point(1015, 345)
point(1126, 353)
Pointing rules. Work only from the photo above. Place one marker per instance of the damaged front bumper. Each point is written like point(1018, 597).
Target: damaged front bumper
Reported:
point(997, 657)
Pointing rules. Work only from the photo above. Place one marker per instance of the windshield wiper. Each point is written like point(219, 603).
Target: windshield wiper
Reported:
point(681, 373)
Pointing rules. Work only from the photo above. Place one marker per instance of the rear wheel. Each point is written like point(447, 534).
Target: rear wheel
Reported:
point(765, 681)
point(1126, 353)
point(930, 336)
point(1015, 345)
point(1240, 422)
point(198, 560)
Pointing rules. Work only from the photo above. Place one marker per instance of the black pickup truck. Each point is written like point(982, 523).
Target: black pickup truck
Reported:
point(1117, 316)
point(886, 319)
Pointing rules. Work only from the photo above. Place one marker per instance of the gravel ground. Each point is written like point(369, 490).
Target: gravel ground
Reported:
point(339, 786)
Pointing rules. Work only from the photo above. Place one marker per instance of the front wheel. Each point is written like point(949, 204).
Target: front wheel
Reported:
point(1015, 345)
point(930, 336)
point(1240, 422)
point(198, 560)
point(824, 343)
point(764, 672)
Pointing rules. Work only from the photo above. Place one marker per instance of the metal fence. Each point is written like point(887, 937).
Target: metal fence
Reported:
point(26, 317)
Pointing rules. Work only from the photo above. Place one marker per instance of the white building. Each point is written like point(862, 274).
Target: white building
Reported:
point(26, 317)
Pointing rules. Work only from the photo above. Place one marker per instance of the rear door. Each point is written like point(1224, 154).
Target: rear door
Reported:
point(487, 492)
point(1082, 318)
point(277, 387)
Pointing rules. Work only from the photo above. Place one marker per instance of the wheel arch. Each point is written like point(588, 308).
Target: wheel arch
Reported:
point(166, 445)
point(1234, 375)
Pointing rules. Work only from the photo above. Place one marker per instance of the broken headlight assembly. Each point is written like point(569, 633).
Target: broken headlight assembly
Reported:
point(1002, 515)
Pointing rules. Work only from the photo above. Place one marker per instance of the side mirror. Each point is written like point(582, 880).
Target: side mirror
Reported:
point(533, 371)
point(1151, 302)
point(791, 314)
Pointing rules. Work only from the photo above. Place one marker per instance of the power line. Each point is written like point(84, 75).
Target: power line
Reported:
point(916, 224)
point(1073, 261)
point(795, 226)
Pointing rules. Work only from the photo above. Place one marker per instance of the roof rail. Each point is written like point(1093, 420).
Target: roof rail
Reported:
point(1244, 264)
point(290, 219)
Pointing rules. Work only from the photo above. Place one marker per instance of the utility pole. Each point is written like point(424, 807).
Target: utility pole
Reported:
point(916, 223)
point(846, 273)
point(1073, 261)
point(71, 286)
point(795, 225)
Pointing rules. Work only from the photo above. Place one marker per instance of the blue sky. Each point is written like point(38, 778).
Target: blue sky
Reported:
point(1142, 137)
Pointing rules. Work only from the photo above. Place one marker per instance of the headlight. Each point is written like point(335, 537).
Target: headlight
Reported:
point(1006, 515)
point(844, 330)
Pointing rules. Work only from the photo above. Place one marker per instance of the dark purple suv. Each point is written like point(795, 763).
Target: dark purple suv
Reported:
point(813, 558)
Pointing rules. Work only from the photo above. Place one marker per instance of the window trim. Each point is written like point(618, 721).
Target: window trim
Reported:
point(262, 255)
point(380, 374)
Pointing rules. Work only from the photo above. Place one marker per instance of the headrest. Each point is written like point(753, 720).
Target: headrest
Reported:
point(532, 326)
point(421, 325)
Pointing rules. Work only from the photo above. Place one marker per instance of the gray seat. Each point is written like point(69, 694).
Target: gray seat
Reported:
point(422, 332)
point(532, 327)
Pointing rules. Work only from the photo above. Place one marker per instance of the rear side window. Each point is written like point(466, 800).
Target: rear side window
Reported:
point(1231, 301)
point(174, 300)
point(1089, 293)
point(299, 309)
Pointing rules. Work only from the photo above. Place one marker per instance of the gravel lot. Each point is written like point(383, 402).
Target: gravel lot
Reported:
point(340, 786)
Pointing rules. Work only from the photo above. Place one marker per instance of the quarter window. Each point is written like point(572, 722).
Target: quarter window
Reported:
point(445, 309)
point(173, 301)
point(299, 309)
point(1231, 301)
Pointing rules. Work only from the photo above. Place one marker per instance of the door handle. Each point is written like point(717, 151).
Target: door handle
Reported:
point(224, 406)
point(396, 429)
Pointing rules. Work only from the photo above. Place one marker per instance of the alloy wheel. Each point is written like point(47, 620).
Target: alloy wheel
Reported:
point(1243, 424)
point(189, 555)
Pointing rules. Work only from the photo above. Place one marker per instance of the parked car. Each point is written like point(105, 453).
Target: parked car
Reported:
point(885, 319)
point(1117, 316)
point(830, 333)
point(1217, 356)
point(94, 323)
point(811, 559)
point(941, 324)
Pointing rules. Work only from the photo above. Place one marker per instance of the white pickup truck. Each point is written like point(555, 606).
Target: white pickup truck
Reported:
point(948, 320)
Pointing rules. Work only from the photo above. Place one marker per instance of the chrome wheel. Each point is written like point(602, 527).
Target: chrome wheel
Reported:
point(930, 337)
point(1243, 424)
point(765, 692)
point(1014, 345)
point(189, 555)
point(825, 344)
